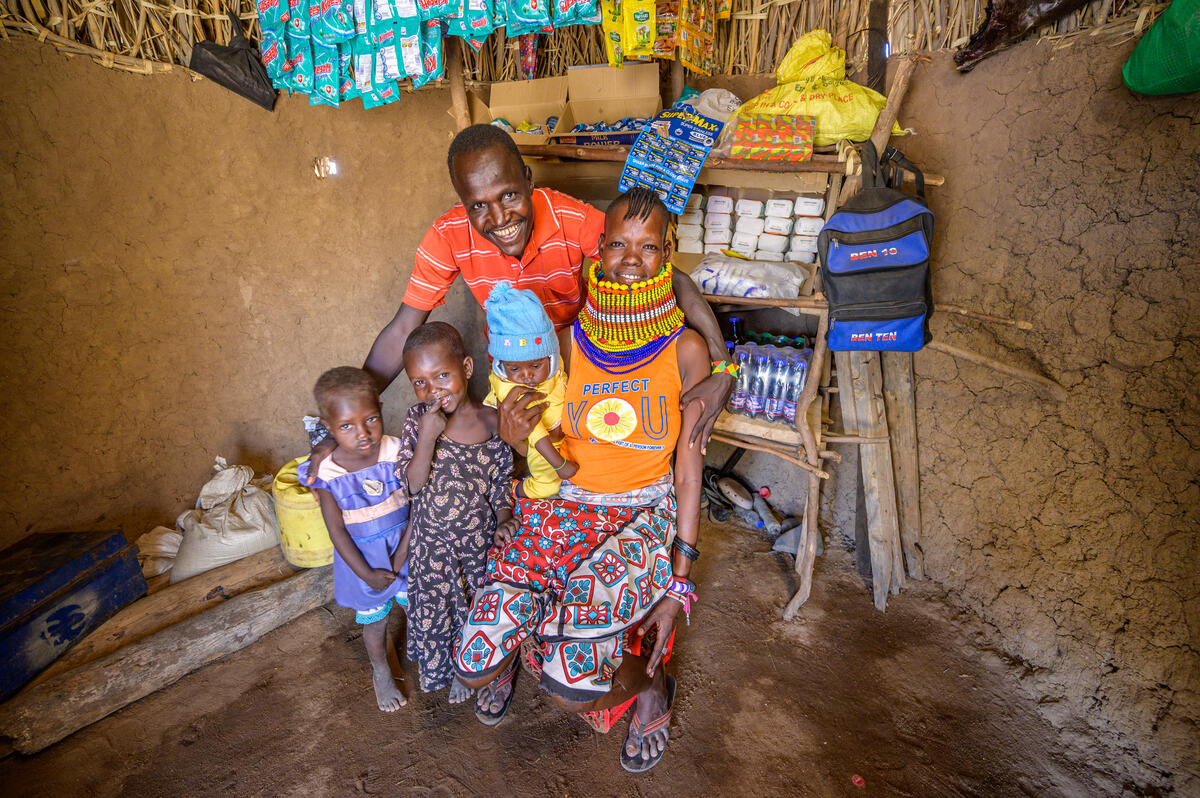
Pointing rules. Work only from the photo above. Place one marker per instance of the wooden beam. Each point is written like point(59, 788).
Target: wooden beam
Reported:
point(895, 98)
point(454, 75)
point(902, 426)
point(172, 604)
point(1048, 385)
point(38, 718)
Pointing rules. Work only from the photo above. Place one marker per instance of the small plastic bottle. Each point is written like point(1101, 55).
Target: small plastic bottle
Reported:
point(777, 387)
point(756, 399)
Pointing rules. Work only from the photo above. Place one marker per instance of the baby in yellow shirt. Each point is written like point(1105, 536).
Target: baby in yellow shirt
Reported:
point(524, 351)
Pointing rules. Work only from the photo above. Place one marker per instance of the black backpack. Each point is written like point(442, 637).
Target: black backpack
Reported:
point(874, 255)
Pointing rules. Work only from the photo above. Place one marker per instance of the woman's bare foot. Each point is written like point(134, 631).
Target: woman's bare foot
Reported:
point(387, 694)
point(652, 704)
point(459, 692)
point(492, 698)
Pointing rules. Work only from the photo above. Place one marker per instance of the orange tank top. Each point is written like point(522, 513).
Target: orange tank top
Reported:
point(621, 428)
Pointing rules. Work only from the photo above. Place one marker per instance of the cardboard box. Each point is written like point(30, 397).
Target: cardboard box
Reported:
point(518, 101)
point(606, 94)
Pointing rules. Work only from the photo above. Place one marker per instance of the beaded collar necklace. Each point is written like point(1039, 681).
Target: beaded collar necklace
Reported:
point(623, 327)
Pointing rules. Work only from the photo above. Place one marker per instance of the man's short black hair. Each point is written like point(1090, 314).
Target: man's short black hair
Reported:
point(640, 203)
point(476, 138)
point(436, 332)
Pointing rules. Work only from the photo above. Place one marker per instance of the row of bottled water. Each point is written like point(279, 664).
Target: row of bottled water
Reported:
point(770, 380)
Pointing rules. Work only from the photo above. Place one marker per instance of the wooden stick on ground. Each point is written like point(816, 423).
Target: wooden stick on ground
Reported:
point(902, 426)
point(173, 604)
point(1051, 387)
point(38, 718)
point(974, 314)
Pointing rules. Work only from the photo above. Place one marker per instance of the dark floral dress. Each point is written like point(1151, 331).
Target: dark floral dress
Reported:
point(453, 520)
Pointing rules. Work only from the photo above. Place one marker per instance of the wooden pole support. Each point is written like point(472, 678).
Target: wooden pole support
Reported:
point(1051, 387)
point(458, 88)
point(173, 604)
point(902, 426)
point(40, 717)
point(895, 98)
point(974, 314)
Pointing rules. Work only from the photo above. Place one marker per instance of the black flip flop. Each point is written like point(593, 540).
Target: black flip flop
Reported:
point(637, 763)
point(487, 717)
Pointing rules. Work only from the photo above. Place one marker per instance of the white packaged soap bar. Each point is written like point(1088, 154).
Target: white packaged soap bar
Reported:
point(808, 225)
point(773, 243)
point(804, 243)
point(780, 207)
point(691, 217)
point(801, 257)
point(745, 243)
point(689, 231)
point(777, 224)
point(809, 206)
point(716, 220)
point(772, 257)
point(692, 245)
point(749, 207)
point(718, 235)
point(719, 203)
point(711, 248)
point(694, 202)
point(748, 224)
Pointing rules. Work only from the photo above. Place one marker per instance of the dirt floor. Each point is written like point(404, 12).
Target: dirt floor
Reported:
point(907, 700)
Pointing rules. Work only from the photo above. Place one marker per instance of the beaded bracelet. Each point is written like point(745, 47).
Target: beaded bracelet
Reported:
point(686, 600)
point(725, 367)
point(686, 549)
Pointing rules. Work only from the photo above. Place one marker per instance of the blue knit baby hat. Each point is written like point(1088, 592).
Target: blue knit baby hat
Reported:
point(518, 327)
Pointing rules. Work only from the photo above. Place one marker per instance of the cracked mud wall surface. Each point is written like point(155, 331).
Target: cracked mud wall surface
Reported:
point(1071, 527)
point(175, 277)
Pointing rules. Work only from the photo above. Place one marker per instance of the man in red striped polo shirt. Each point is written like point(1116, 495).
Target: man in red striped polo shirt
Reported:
point(537, 238)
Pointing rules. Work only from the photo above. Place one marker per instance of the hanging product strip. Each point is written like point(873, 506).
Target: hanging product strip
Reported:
point(637, 30)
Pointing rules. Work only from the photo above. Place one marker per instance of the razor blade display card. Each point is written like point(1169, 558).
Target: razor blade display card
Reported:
point(669, 154)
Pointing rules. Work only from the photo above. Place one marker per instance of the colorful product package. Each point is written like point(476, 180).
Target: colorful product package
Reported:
point(669, 154)
point(408, 47)
point(666, 28)
point(527, 16)
point(297, 18)
point(300, 66)
point(347, 85)
point(770, 137)
point(384, 94)
point(272, 14)
point(274, 56)
point(325, 74)
point(471, 22)
point(638, 34)
point(331, 21)
point(612, 28)
point(387, 55)
point(431, 53)
point(362, 13)
point(575, 12)
point(437, 9)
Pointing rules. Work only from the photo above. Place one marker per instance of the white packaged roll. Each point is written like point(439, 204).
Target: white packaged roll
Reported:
point(718, 203)
point(749, 207)
point(777, 225)
point(745, 253)
point(718, 235)
point(689, 231)
point(809, 206)
point(691, 245)
point(695, 202)
point(780, 207)
point(773, 243)
point(798, 256)
point(745, 243)
point(718, 220)
point(804, 243)
point(771, 257)
point(808, 225)
point(691, 217)
point(748, 224)
point(717, 248)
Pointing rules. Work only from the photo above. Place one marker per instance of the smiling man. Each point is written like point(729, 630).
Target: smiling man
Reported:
point(537, 239)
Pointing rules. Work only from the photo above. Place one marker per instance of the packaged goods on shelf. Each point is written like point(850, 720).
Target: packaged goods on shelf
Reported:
point(746, 243)
point(749, 207)
point(723, 275)
point(801, 256)
point(695, 202)
point(780, 207)
point(693, 246)
point(694, 216)
point(777, 224)
point(808, 225)
point(718, 235)
point(717, 220)
point(804, 243)
point(748, 224)
point(773, 243)
point(809, 206)
point(689, 230)
point(714, 249)
point(719, 203)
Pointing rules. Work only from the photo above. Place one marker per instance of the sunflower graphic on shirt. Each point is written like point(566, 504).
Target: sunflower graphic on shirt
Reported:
point(611, 419)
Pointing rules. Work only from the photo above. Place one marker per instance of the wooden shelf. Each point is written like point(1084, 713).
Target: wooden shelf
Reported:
point(758, 428)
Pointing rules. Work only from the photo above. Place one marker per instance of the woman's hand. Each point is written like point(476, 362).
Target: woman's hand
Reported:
point(431, 424)
point(662, 616)
point(379, 579)
point(518, 413)
point(712, 392)
point(505, 531)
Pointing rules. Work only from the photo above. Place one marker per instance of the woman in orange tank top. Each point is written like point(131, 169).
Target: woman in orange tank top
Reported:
point(624, 528)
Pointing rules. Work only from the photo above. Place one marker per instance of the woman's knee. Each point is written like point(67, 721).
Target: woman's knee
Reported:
point(571, 706)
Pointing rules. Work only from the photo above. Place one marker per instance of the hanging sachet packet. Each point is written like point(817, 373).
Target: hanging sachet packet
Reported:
point(362, 14)
point(300, 74)
point(347, 86)
point(386, 93)
point(639, 32)
point(612, 28)
point(272, 14)
point(431, 53)
point(333, 20)
point(297, 18)
point(274, 57)
point(527, 16)
point(408, 47)
point(387, 56)
point(325, 72)
point(363, 56)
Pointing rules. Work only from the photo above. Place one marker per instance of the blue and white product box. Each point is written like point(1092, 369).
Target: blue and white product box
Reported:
point(669, 153)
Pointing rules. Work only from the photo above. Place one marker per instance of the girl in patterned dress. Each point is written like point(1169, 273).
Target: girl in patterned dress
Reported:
point(459, 478)
point(364, 502)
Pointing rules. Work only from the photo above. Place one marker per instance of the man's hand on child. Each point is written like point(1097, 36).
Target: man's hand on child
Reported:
point(518, 413)
point(318, 454)
point(379, 578)
point(505, 531)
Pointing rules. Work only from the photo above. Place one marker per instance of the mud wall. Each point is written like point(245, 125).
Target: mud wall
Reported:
point(175, 277)
point(1070, 527)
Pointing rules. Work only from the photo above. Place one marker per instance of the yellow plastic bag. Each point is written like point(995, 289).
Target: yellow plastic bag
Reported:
point(842, 108)
point(812, 56)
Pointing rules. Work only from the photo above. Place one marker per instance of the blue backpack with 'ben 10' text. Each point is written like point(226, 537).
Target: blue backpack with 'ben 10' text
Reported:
point(875, 260)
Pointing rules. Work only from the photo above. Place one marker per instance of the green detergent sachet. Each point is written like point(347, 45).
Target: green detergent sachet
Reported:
point(301, 63)
point(431, 53)
point(325, 70)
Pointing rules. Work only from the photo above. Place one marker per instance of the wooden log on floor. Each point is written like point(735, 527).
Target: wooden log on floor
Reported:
point(902, 426)
point(1048, 385)
point(38, 718)
point(875, 460)
point(171, 605)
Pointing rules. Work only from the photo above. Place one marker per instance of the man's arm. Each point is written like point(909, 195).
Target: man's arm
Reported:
point(712, 392)
point(385, 361)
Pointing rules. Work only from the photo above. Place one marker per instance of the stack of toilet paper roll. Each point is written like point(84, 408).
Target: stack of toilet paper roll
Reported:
point(774, 230)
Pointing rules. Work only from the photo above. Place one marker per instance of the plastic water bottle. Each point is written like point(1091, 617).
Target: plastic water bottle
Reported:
point(796, 380)
point(777, 387)
point(756, 399)
point(737, 399)
point(735, 329)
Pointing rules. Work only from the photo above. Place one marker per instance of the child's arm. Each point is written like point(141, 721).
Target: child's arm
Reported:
point(429, 427)
point(401, 554)
point(376, 578)
point(500, 495)
point(565, 468)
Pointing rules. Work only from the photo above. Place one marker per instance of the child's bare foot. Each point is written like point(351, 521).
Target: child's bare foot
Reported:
point(459, 692)
point(387, 694)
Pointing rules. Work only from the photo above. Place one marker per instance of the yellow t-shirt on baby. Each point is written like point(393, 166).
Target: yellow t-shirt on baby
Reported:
point(543, 480)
